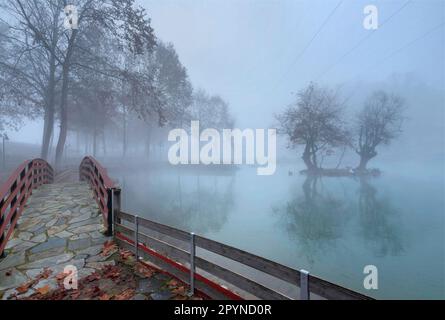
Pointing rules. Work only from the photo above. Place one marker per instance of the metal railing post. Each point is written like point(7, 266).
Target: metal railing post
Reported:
point(136, 237)
point(116, 204)
point(304, 285)
point(109, 231)
point(2, 238)
point(192, 263)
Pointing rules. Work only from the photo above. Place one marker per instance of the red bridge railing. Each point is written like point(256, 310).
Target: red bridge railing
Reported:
point(106, 192)
point(15, 192)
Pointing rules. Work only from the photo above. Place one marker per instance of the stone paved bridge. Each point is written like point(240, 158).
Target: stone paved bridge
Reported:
point(60, 226)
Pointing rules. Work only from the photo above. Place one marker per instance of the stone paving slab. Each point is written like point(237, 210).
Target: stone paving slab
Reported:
point(61, 225)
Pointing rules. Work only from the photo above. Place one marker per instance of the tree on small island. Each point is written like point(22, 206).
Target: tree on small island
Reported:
point(379, 122)
point(315, 121)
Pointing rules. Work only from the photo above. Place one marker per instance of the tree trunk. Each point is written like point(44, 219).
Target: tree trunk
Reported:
point(63, 117)
point(363, 163)
point(94, 142)
point(51, 143)
point(48, 125)
point(86, 143)
point(78, 142)
point(365, 156)
point(104, 143)
point(64, 99)
point(308, 159)
point(124, 142)
point(148, 143)
point(314, 158)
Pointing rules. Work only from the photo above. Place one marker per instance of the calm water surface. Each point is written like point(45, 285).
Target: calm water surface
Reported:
point(332, 227)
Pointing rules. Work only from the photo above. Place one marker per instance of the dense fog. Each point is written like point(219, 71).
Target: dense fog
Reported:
point(359, 115)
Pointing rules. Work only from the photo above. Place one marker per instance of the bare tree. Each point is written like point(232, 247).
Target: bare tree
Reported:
point(378, 123)
point(211, 111)
point(17, 98)
point(173, 87)
point(29, 71)
point(111, 67)
point(139, 94)
point(172, 82)
point(39, 25)
point(121, 19)
point(93, 107)
point(314, 120)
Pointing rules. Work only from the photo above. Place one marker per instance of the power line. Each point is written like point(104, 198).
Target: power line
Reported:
point(302, 52)
point(267, 57)
point(361, 41)
point(405, 46)
point(423, 35)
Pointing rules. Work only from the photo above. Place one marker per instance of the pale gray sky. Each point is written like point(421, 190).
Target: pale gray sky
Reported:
point(254, 53)
point(249, 51)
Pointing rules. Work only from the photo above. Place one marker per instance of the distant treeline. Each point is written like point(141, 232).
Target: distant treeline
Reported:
point(103, 78)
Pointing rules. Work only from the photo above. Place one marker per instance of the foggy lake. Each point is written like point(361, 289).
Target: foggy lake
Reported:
point(331, 227)
point(346, 97)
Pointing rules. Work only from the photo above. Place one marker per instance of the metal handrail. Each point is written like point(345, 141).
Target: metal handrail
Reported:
point(173, 250)
point(15, 192)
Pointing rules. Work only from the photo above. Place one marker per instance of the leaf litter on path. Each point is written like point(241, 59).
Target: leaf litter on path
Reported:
point(112, 282)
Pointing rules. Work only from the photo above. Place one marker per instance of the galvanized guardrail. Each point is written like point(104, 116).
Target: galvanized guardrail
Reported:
point(166, 247)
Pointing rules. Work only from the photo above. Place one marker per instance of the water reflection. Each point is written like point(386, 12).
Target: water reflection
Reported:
point(205, 208)
point(332, 227)
point(380, 221)
point(191, 201)
point(317, 218)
